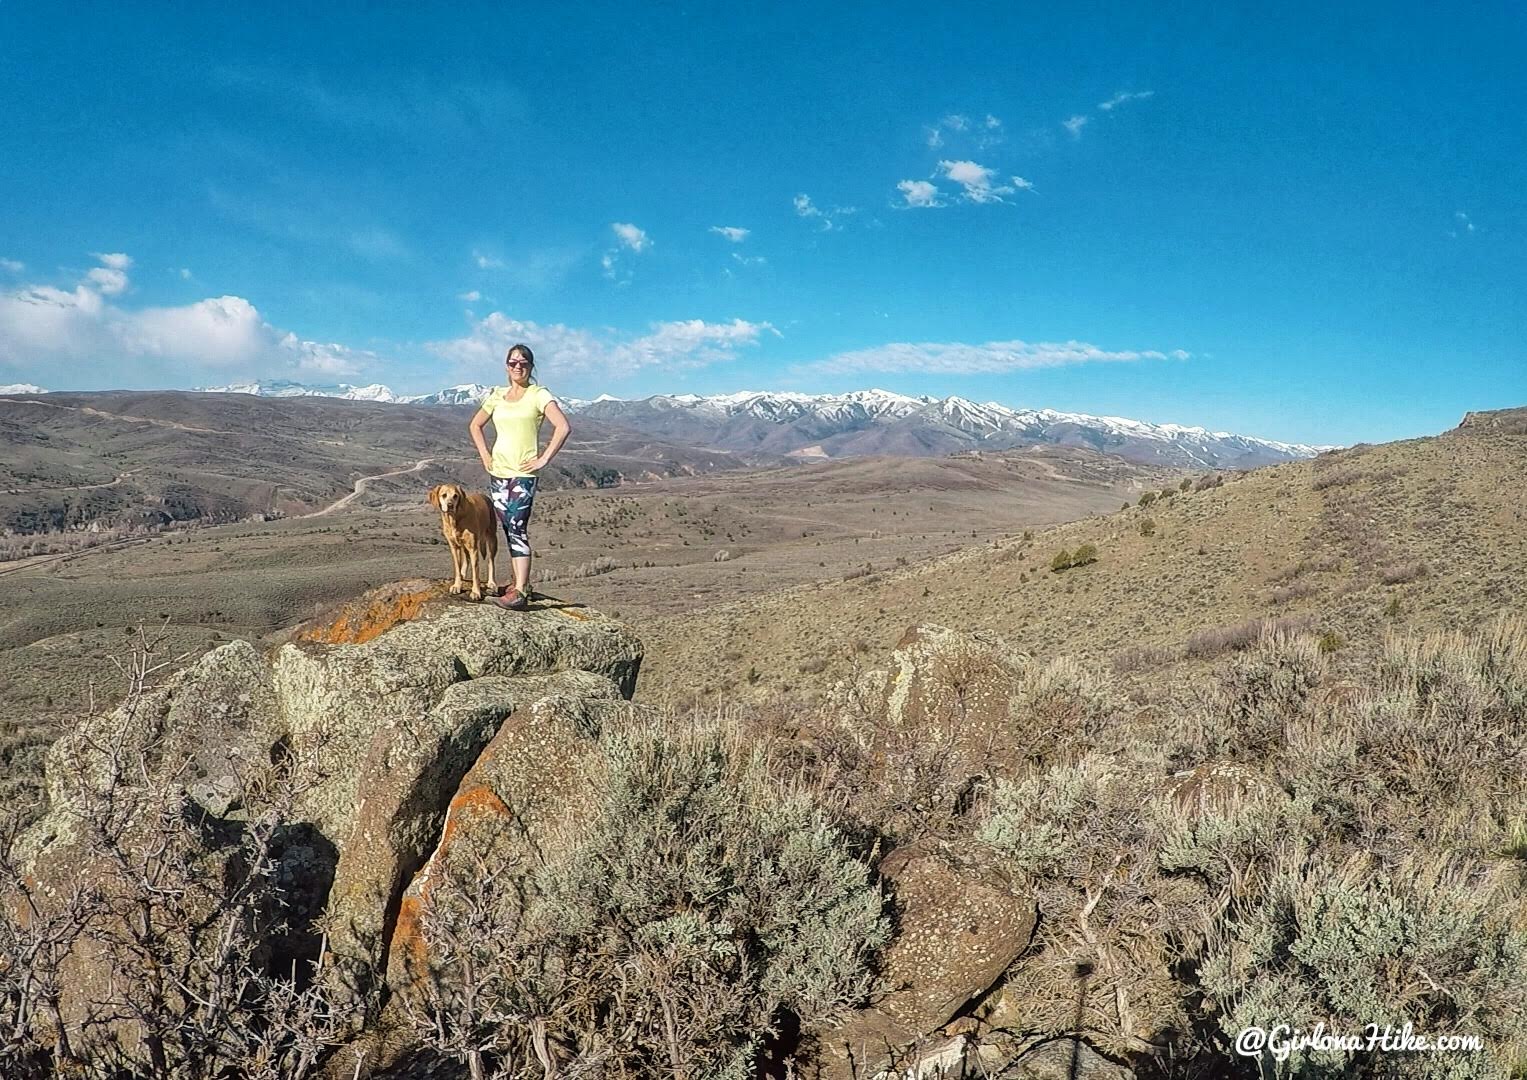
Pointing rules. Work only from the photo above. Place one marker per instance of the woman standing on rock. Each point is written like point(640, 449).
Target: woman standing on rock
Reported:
point(516, 411)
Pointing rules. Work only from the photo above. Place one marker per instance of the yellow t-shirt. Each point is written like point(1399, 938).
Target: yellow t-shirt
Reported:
point(516, 426)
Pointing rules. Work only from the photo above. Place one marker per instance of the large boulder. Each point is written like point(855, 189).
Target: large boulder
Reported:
point(959, 927)
point(521, 800)
point(945, 684)
point(369, 718)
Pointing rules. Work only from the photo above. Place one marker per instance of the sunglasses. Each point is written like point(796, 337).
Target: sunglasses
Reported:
point(518, 363)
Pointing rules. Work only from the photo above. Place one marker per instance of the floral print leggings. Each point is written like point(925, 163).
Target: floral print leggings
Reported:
point(512, 498)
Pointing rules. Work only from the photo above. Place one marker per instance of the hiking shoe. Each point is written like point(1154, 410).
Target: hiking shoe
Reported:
point(512, 599)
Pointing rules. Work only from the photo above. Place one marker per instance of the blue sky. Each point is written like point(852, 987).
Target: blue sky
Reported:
point(1304, 223)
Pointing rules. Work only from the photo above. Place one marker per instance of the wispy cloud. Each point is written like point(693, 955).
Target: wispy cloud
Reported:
point(688, 343)
point(632, 237)
point(45, 324)
point(1124, 97)
point(748, 260)
point(988, 358)
point(300, 211)
point(1462, 225)
point(417, 109)
point(827, 219)
point(978, 182)
point(952, 122)
point(731, 232)
point(12, 266)
point(920, 194)
point(1023, 185)
point(485, 261)
point(471, 296)
point(959, 128)
point(1074, 125)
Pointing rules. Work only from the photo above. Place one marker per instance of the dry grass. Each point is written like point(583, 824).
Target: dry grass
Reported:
point(1264, 545)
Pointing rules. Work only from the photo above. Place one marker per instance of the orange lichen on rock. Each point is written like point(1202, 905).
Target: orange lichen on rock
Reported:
point(371, 614)
point(474, 800)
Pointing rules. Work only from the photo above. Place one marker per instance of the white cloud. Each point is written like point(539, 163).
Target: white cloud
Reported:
point(1023, 185)
point(1075, 125)
point(603, 354)
point(1464, 225)
point(731, 232)
point(110, 278)
point(985, 132)
point(110, 282)
point(41, 324)
point(632, 237)
point(12, 265)
point(470, 297)
point(748, 260)
point(976, 180)
point(992, 357)
point(185, 273)
point(1123, 97)
point(487, 262)
point(805, 208)
point(919, 193)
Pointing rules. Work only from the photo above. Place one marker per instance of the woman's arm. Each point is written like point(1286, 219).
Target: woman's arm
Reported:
point(478, 423)
point(561, 429)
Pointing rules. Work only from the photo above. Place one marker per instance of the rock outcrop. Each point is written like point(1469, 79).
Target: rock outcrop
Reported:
point(373, 716)
point(958, 930)
point(1498, 421)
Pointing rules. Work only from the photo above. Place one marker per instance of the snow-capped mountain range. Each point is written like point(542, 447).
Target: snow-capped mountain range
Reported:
point(451, 395)
point(862, 422)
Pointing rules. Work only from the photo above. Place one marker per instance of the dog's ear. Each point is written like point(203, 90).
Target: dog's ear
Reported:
point(434, 496)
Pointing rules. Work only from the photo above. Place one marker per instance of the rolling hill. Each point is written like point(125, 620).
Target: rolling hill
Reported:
point(1421, 534)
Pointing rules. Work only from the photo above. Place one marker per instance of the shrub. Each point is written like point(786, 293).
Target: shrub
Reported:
point(700, 906)
point(1206, 482)
point(198, 971)
point(1146, 499)
point(1246, 712)
point(1062, 561)
point(1351, 943)
point(593, 568)
point(1084, 555)
point(1148, 527)
point(1223, 639)
point(1329, 641)
point(1059, 704)
point(1394, 609)
point(1336, 478)
point(1398, 575)
point(1078, 838)
point(1296, 590)
point(721, 556)
point(1187, 482)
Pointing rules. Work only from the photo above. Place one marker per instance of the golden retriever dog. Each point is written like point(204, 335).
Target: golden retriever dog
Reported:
point(470, 529)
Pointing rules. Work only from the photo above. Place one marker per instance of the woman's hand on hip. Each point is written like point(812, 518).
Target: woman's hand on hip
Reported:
point(532, 464)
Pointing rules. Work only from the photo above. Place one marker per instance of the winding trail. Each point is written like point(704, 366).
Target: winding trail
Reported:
point(31, 562)
point(360, 487)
